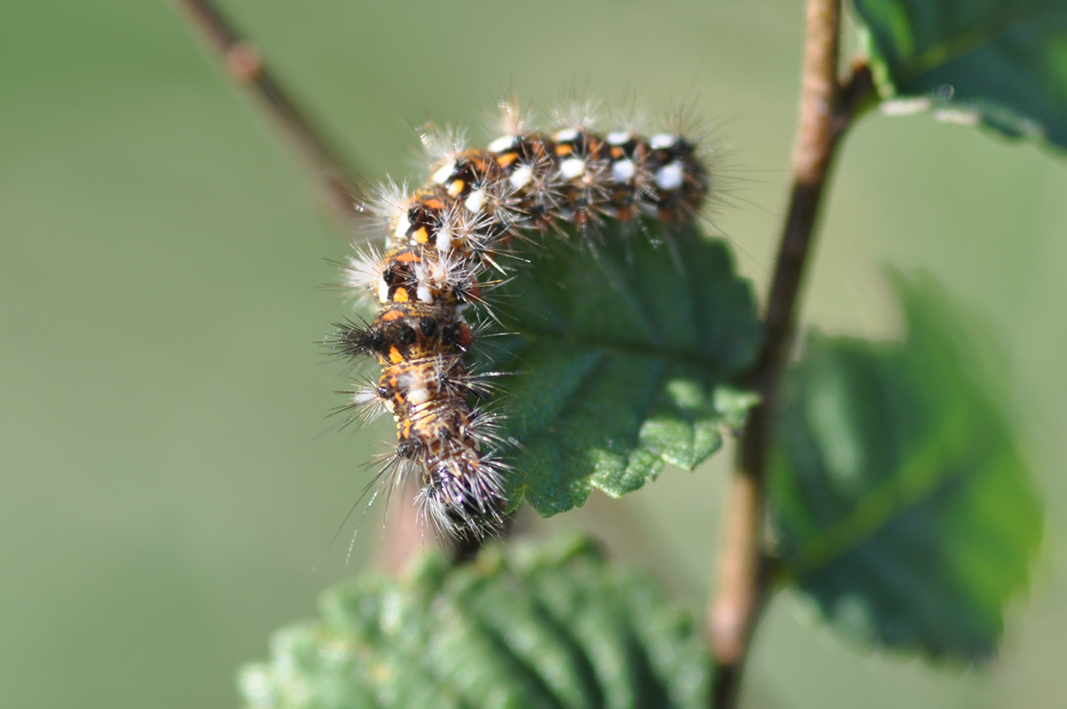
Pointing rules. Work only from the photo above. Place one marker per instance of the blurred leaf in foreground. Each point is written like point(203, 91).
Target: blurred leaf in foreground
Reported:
point(623, 353)
point(548, 626)
point(903, 506)
point(1003, 62)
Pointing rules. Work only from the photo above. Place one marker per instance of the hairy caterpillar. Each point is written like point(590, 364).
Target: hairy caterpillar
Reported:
point(441, 240)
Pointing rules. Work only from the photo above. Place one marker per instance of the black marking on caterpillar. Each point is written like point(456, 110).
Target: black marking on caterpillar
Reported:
point(441, 240)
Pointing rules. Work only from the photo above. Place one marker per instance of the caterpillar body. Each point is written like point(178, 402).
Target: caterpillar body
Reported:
point(441, 240)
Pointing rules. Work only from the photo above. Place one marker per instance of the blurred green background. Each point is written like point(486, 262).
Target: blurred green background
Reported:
point(169, 481)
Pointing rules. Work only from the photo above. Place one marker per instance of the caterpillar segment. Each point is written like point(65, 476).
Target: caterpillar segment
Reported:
point(426, 385)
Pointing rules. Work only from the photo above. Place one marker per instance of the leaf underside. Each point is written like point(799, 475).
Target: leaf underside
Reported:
point(1002, 61)
point(903, 506)
point(619, 356)
point(555, 626)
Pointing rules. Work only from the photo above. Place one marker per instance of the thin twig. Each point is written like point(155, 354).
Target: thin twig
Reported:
point(244, 64)
point(405, 533)
point(826, 110)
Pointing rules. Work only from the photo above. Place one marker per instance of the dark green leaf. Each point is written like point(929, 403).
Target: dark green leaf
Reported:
point(622, 354)
point(555, 626)
point(903, 505)
point(1002, 61)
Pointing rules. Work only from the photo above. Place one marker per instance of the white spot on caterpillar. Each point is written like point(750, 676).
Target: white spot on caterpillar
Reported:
point(474, 201)
point(521, 177)
point(444, 239)
point(502, 144)
point(383, 291)
point(623, 171)
point(572, 168)
point(402, 225)
point(444, 172)
point(618, 137)
point(662, 141)
point(670, 177)
point(418, 394)
point(566, 135)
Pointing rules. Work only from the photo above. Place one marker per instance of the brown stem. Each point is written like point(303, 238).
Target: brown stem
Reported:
point(404, 535)
point(244, 64)
point(826, 110)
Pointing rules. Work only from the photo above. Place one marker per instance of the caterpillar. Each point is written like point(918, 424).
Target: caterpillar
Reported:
point(441, 239)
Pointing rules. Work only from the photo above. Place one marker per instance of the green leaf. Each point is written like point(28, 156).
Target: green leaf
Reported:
point(549, 626)
point(903, 505)
point(1003, 62)
point(622, 354)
